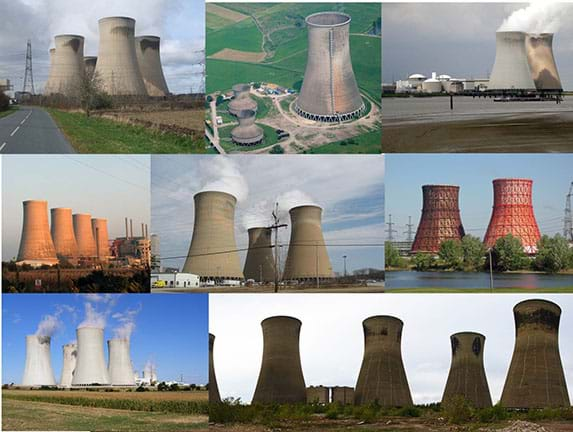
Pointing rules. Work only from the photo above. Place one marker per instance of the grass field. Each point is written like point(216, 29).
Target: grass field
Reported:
point(9, 111)
point(243, 36)
point(369, 142)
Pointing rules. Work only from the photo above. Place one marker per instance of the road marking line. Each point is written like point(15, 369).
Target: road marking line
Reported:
point(2, 146)
point(15, 130)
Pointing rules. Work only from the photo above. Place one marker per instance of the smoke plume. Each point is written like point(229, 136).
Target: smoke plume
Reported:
point(538, 17)
point(126, 323)
point(93, 318)
point(292, 199)
point(49, 325)
point(259, 215)
point(222, 174)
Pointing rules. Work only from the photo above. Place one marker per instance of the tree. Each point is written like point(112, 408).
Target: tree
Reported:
point(423, 261)
point(4, 102)
point(508, 254)
point(553, 254)
point(220, 100)
point(90, 93)
point(391, 255)
point(451, 253)
point(277, 149)
point(474, 252)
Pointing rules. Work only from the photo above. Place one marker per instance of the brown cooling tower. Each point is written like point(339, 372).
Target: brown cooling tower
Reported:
point(281, 379)
point(260, 265)
point(63, 233)
point(440, 219)
point(149, 60)
point(84, 236)
point(36, 246)
point(307, 255)
point(544, 72)
point(535, 378)
point(213, 251)
point(214, 396)
point(467, 374)
point(101, 237)
point(382, 377)
point(513, 213)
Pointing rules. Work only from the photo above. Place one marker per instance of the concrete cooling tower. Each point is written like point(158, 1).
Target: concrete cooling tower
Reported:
point(247, 133)
point(467, 374)
point(49, 82)
point(38, 369)
point(89, 66)
point(440, 220)
point(281, 379)
point(67, 66)
point(119, 366)
point(36, 246)
point(535, 378)
point(117, 66)
point(90, 366)
point(87, 247)
point(260, 262)
point(101, 237)
point(307, 256)
point(69, 366)
point(329, 91)
point(213, 251)
point(214, 396)
point(382, 377)
point(62, 231)
point(513, 213)
point(511, 69)
point(149, 61)
point(544, 72)
point(242, 100)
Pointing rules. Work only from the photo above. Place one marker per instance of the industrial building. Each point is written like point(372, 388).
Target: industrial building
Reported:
point(67, 66)
point(132, 250)
point(241, 99)
point(214, 396)
point(70, 352)
point(147, 49)
point(318, 395)
point(36, 245)
point(38, 369)
point(174, 280)
point(90, 367)
point(259, 264)
point(247, 133)
point(342, 395)
point(119, 366)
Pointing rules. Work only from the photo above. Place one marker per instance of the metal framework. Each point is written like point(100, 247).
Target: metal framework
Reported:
point(29, 72)
point(568, 219)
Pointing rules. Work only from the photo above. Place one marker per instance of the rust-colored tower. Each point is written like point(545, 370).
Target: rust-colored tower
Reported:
point(513, 213)
point(87, 247)
point(36, 246)
point(535, 378)
point(541, 60)
point(440, 219)
point(281, 379)
point(63, 233)
point(101, 237)
point(382, 376)
point(214, 396)
point(467, 374)
point(259, 264)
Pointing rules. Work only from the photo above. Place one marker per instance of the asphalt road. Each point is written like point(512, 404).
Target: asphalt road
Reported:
point(31, 130)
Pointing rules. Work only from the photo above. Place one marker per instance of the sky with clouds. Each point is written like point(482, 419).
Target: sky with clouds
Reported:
point(331, 339)
point(179, 23)
point(350, 191)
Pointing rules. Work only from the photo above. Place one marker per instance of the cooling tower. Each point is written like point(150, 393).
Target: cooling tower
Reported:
point(307, 256)
point(382, 377)
point(117, 66)
point(513, 213)
point(90, 366)
point(69, 366)
point(101, 237)
point(535, 378)
point(260, 265)
point(247, 133)
point(38, 369)
point(62, 231)
point(149, 61)
point(467, 374)
point(542, 62)
point(242, 100)
point(329, 91)
point(48, 87)
point(36, 246)
point(89, 66)
point(280, 379)
point(440, 220)
point(213, 251)
point(119, 366)
point(214, 396)
point(68, 65)
point(87, 247)
point(511, 69)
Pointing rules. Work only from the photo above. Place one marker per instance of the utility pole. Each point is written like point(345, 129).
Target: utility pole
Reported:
point(568, 219)
point(275, 227)
point(344, 257)
point(410, 232)
point(29, 73)
point(390, 230)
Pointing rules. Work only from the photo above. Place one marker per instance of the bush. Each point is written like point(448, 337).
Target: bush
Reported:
point(423, 261)
point(277, 149)
point(493, 414)
point(508, 254)
point(457, 410)
point(452, 254)
point(553, 254)
point(4, 102)
point(410, 411)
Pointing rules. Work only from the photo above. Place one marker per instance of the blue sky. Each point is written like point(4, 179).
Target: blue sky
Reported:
point(405, 174)
point(170, 330)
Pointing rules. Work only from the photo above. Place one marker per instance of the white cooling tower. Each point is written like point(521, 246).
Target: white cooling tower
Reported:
point(511, 69)
point(120, 369)
point(90, 366)
point(38, 370)
point(69, 366)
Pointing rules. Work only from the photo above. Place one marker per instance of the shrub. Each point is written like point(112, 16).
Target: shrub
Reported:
point(4, 102)
point(457, 410)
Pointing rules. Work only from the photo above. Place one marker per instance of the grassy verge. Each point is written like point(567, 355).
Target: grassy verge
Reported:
point(369, 142)
point(562, 290)
point(9, 111)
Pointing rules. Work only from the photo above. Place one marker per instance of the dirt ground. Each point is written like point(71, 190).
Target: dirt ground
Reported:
point(241, 56)
point(225, 13)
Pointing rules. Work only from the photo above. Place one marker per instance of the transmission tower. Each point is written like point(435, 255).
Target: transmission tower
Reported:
point(275, 227)
point(568, 219)
point(29, 73)
point(390, 230)
point(410, 232)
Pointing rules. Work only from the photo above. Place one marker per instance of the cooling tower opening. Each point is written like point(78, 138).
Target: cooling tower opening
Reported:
point(146, 42)
point(328, 19)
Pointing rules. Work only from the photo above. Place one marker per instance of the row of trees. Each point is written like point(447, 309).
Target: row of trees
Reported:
point(4, 101)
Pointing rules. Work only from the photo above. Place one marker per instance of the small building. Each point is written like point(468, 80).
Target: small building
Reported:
point(343, 395)
point(318, 395)
point(174, 280)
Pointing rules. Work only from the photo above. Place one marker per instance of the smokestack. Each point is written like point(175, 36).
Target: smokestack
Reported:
point(281, 379)
point(307, 255)
point(146, 233)
point(36, 246)
point(90, 367)
point(242, 100)
point(544, 72)
point(329, 91)
point(149, 61)
point(117, 65)
point(119, 368)
point(62, 231)
point(467, 374)
point(69, 366)
point(214, 396)
point(38, 370)
point(101, 235)
point(513, 214)
point(213, 250)
point(247, 133)
point(142, 230)
point(131, 228)
point(535, 378)
point(68, 65)
point(259, 264)
point(87, 247)
point(89, 66)
point(440, 220)
point(511, 69)
point(49, 86)
point(382, 377)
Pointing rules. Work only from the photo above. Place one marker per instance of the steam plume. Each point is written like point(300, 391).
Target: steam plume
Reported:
point(538, 17)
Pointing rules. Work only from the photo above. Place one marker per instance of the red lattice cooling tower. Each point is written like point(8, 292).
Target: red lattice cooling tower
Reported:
point(513, 213)
point(440, 219)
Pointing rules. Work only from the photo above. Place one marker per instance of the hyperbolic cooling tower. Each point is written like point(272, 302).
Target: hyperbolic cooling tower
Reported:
point(90, 366)
point(117, 66)
point(535, 378)
point(69, 366)
point(242, 100)
point(89, 66)
point(329, 91)
point(213, 250)
point(307, 255)
point(67, 65)
point(281, 379)
point(62, 231)
point(247, 133)
point(214, 396)
point(511, 69)
point(36, 246)
point(382, 377)
point(260, 265)
point(49, 82)
point(542, 62)
point(38, 370)
point(149, 60)
point(119, 367)
point(101, 236)
point(87, 247)
point(513, 213)
point(440, 220)
point(467, 374)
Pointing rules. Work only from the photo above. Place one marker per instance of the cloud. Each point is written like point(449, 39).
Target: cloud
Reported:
point(93, 317)
point(538, 17)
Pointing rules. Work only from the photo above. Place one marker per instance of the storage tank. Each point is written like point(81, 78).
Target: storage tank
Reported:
point(38, 369)
point(432, 85)
point(70, 358)
point(214, 396)
point(101, 237)
point(511, 69)
point(119, 366)
point(149, 60)
point(67, 66)
point(242, 99)
point(90, 65)
point(90, 366)
point(247, 133)
point(87, 247)
point(62, 231)
point(260, 264)
point(542, 62)
point(36, 246)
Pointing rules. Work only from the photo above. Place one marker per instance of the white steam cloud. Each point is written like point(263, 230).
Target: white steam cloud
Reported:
point(292, 199)
point(93, 318)
point(223, 175)
point(49, 325)
point(126, 322)
point(260, 215)
point(538, 17)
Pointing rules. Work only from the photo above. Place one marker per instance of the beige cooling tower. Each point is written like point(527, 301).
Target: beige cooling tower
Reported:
point(544, 72)
point(36, 246)
point(67, 66)
point(511, 69)
point(149, 60)
point(242, 100)
point(101, 237)
point(90, 366)
point(260, 264)
point(48, 87)
point(84, 236)
point(214, 395)
point(63, 233)
point(69, 366)
point(89, 66)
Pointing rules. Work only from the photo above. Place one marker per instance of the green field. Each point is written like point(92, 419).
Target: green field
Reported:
point(225, 135)
point(9, 111)
point(368, 142)
point(242, 36)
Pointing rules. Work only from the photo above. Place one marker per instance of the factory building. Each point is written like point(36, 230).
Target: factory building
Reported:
point(90, 367)
point(36, 245)
point(67, 66)
point(132, 250)
point(70, 352)
point(259, 264)
point(511, 70)
point(38, 369)
point(241, 99)
point(247, 133)
point(63, 236)
point(119, 365)
point(214, 396)
point(147, 49)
